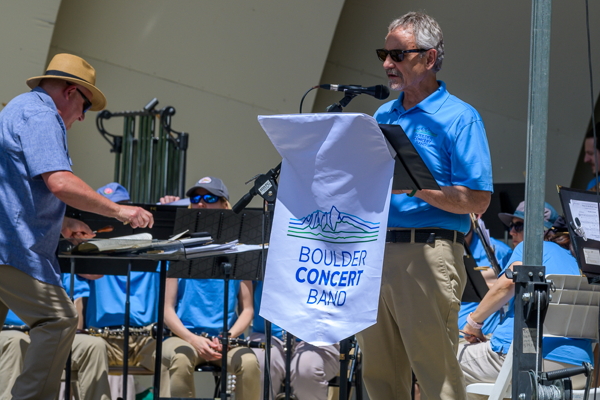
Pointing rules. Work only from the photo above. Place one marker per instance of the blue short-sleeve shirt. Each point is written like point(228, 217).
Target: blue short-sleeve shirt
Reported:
point(450, 137)
point(200, 304)
point(106, 304)
point(33, 141)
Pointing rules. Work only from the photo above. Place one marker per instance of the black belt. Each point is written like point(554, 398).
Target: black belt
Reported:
point(424, 236)
point(20, 328)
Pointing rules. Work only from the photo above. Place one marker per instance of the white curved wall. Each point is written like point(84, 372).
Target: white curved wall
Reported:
point(220, 64)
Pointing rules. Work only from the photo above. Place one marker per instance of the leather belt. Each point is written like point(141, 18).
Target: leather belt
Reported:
point(20, 328)
point(424, 236)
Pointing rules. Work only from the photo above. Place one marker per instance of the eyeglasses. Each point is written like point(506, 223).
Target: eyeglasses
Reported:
point(396, 55)
point(517, 226)
point(87, 104)
point(208, 198)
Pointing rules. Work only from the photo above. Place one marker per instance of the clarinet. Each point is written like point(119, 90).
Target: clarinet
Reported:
point(119, 333)
point(233, 342)
point(152, 330)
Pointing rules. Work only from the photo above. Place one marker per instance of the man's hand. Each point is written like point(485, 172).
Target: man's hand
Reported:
point(135, 216)
point(75, 229)
point(473, 335)
point(168, 199)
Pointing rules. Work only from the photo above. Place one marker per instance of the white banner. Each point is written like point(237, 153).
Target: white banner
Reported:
point(327, 241)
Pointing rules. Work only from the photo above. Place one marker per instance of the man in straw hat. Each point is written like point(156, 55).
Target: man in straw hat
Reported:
point(36, 183)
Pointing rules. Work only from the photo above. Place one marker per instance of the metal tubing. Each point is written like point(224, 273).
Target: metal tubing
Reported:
point(537, 128)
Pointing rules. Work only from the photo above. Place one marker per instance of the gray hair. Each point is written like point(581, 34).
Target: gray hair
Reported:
point(427, 33)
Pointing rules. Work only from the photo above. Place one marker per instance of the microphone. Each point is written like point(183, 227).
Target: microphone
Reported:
point(380, 92)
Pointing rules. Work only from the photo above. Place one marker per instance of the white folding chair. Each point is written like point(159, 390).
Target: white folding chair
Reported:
point(573, 313)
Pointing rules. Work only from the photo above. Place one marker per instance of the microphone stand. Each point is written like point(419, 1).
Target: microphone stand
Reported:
point(265, 185)
point(345, 344)
point(337, 107)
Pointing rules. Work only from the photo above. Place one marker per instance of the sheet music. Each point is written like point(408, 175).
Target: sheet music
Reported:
point(585, 218)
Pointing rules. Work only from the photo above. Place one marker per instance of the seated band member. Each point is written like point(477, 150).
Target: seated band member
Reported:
point(311, 369)
point(194, 306)
point(88, 356)
point(106, 305)
point(502, 253)
point(481, 360)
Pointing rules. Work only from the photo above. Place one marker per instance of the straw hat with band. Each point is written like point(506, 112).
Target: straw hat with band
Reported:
point(73, 69)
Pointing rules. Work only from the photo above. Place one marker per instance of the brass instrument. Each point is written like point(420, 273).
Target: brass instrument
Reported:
point(151, 330)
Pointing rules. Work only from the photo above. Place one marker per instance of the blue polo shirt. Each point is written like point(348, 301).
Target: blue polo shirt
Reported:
point(592, 184)
point(33, 141)
point(200, 304)
point(557, 260)
point(450, 137)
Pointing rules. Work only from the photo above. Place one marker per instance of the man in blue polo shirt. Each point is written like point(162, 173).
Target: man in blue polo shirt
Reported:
point(423, 273)
point(592, 155)
point(36, 182)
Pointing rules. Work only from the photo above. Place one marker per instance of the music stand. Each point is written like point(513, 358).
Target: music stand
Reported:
point(476, 287)
point(410, 171)
point(223, 226)
point(581, 214)
point(164, 219)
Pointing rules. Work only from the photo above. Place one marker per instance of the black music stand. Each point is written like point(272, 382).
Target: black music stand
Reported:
point(223, 226)
point(476, 287)
point(587, 250)
point(410, 171)
point(164, 219)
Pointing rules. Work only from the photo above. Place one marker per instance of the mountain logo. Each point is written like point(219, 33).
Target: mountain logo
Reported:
point(333, 227)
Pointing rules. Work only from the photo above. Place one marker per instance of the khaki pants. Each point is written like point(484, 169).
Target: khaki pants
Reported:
point(311, 369)
point(179, 358)
point(53, 320)
point(417, 323)
point(88, 358)
point(481, 364)
point(13, 345)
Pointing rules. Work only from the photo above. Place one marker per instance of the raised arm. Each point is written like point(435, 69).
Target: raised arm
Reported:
point(455, 199)
point(496, 297)
point(73, 191)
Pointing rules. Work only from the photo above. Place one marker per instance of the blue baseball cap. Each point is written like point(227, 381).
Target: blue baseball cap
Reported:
point(115, 192)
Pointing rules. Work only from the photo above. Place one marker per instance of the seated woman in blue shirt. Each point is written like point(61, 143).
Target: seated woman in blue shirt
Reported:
point(195, 306)
point(481, 360)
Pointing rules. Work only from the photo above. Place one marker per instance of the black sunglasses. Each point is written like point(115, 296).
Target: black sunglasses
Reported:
point(208, 198)
point(396, 55)
point(87, 104)
point(517, 226)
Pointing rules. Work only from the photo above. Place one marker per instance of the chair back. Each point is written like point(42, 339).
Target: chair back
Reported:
point(573, 309)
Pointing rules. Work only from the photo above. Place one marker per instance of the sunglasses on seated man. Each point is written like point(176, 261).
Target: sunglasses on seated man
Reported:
point(517, 226)
point(208, 198)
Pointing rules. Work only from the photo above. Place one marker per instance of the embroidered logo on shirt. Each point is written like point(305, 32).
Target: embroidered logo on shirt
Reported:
point(424, 137)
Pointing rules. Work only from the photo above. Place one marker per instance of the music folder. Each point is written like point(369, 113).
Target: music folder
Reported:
point(582, 216)
point(410, 171)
